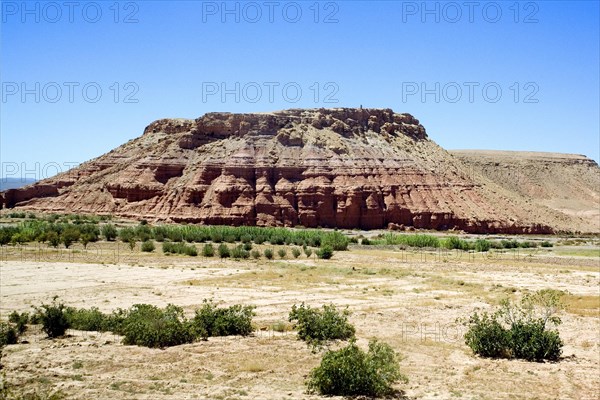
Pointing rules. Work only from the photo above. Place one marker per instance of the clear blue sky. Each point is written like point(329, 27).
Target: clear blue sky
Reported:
point(442, 63)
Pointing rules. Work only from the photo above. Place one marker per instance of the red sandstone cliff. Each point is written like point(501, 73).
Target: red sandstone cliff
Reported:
point(347, 168)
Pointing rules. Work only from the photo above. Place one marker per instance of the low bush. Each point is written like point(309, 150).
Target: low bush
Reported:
point(366, 242)
point(223, 251)
point(482, 245)
point(8, 334)
point(19, 320)
point(86, 320)
point(148, 246)
point(126, 235)
point(308, 252)
point(518, 330)
point(509, 244)
point(239, 252)
point(268, 254)
point(296, 252)
point(255, 254)
point(453, 242)
point(335, 240)
point(150, 326)
point(487, 337)
point(179, 248)
point(350, 371)
point(208, 250)
point(316, 326)
point(211, 320)
point(546, 243)
point(54, 318)
point(282, 253)
point(325, 252)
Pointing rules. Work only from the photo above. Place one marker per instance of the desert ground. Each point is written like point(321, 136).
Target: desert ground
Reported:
point(409, 299)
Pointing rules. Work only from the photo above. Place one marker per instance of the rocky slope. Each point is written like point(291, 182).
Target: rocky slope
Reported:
point(347, 168)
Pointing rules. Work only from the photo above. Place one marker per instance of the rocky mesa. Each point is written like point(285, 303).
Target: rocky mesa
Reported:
point(344, 168)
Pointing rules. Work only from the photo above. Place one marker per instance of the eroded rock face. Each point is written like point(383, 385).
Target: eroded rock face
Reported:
point(346, 168)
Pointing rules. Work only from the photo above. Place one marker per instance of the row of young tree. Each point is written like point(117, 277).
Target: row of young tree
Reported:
point(67, 233)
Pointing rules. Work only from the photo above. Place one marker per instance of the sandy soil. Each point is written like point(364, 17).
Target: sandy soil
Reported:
point(410, 300)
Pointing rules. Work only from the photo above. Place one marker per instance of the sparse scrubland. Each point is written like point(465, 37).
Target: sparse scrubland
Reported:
point(239, 313)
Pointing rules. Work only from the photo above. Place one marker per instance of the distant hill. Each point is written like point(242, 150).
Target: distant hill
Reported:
point(14, 183)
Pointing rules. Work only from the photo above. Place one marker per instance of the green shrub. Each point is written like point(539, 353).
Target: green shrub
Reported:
point(509, 244)
point(416, 240)
point(239, 252)
point(532, 342)
point(454, 242)
point(86, 320)
point(255, 254)
point(143, 232)
point(260, 239)
point(519, 330)
point(69, 236)
point(190, 250)
point(150, 326)
point(208, 250)
point(8, 334)
point(482, 245)
point(318, 326)
point(308, 252)
point(229, 238)
point(350, 371)
point(54, 318)
point(126, 235)
point(268, 254)
point(546, 243)
point(247, 246)
point(224, 251)
point(246, 239)
point(148, 246)
point(487, 337)
point(20, 320)
point(335, 240)
point(365, 242)
point(179, 248)
point(296, 252)
point(216, 237)
point(325, 252)
point(282, 253)
point(213, 321)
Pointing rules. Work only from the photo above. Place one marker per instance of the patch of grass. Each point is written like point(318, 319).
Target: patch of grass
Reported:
point(586, 306)
point(578, 252)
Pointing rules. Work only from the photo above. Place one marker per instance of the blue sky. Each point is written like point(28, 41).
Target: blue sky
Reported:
point(81, 79)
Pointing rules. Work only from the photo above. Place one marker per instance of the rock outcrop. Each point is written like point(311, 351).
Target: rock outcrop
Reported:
point(346, 168)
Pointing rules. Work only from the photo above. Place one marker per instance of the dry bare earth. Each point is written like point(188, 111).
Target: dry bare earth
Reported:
point(410, 300)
